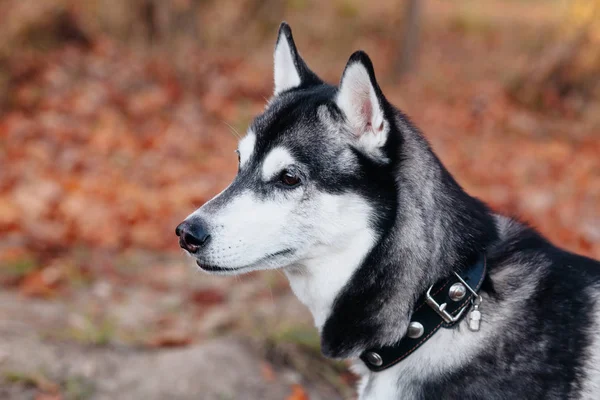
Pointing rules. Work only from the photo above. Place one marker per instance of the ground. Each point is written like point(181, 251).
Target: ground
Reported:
point(76, 347)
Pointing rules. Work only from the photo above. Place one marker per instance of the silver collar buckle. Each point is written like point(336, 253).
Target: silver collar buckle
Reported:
point(441, 308)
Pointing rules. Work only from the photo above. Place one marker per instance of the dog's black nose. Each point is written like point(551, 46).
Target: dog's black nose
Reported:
point(192, 235)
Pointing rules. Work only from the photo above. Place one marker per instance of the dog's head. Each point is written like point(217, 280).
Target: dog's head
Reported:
point(315, 172)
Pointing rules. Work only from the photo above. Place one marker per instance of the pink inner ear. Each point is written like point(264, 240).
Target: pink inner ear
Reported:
point(367, 112)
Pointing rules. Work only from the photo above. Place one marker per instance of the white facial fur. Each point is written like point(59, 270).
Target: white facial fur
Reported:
point(277, 160)
point(358, 100)
point(323, 232)
point(246, 147)
point(285, 73)
point(247, 229)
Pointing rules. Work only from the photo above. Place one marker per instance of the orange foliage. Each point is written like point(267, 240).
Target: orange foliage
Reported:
point(298, 393)
point(102, 149)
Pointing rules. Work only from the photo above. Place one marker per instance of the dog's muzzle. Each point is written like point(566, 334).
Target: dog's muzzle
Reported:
point(192, 235)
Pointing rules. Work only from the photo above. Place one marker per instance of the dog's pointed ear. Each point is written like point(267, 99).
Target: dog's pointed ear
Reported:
point(290, 70)
point(362, 102)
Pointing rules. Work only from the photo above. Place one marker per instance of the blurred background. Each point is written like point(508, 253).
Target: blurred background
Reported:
point(119, 118)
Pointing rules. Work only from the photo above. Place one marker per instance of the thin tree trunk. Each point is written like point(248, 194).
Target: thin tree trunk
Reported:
point(410, 37)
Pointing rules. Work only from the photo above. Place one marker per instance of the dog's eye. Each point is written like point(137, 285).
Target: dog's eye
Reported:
point(238, 154)
point(289, 178)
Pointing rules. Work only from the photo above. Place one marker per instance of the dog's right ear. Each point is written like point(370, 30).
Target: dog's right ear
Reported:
point(290, 70)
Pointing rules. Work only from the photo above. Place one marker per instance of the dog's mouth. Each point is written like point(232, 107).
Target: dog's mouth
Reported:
point(214, 268)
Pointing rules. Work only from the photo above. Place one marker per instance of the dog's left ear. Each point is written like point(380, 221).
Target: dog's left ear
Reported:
point(290, 70)
point(361, 100)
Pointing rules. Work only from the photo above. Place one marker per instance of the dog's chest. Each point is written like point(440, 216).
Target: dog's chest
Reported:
point(446, 351)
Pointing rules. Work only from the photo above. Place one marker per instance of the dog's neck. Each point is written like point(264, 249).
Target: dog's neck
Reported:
point(362, 295)
point(318, 281)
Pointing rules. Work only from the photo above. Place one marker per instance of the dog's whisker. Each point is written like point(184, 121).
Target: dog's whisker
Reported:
point(233, 130)
point(271, 293)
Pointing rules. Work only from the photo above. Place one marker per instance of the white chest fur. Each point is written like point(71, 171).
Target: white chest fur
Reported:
point(318, 280)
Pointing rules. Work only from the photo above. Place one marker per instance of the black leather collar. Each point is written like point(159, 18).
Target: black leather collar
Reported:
point(428, 315)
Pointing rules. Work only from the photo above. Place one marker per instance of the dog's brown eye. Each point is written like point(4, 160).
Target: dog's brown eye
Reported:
point(289, 178)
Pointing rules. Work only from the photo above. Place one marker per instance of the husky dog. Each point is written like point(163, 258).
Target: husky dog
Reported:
point(341, 191)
